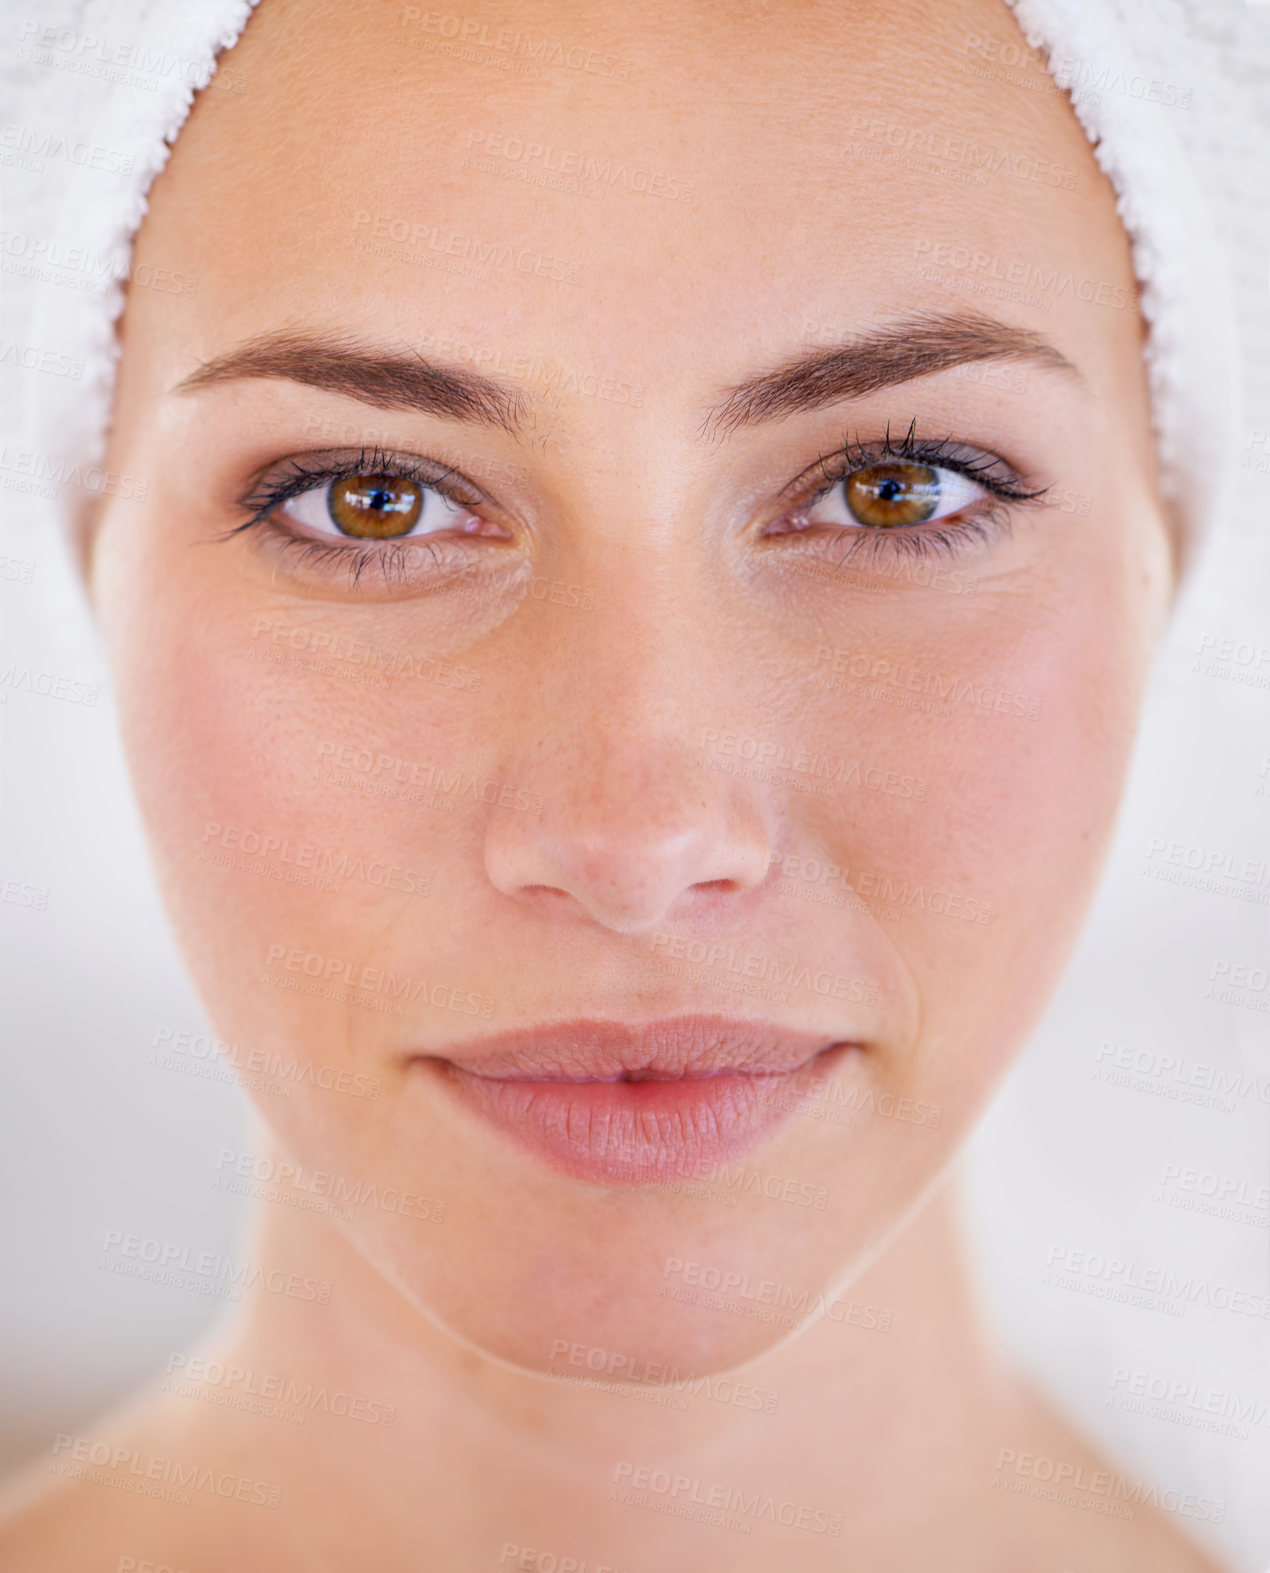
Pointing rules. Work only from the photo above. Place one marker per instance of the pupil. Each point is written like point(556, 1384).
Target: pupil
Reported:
point(379, 500)
point(889, 490)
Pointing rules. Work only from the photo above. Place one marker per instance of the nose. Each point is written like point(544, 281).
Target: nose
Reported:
point(607, 722)
point(633, 826)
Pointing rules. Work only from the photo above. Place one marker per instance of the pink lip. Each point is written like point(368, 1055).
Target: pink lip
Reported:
point(630, 1105)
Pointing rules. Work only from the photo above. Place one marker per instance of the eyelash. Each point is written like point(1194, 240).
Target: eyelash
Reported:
point(945, 538)
point(390, 558)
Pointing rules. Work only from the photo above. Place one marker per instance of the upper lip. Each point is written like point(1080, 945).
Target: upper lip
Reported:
point(664, 1050)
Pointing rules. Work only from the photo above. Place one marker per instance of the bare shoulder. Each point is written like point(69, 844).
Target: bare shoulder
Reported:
point(1064, 1493)
point(50, 1521)
point(72, 1519)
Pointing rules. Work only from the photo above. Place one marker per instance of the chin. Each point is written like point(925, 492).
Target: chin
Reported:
point(647, 1285)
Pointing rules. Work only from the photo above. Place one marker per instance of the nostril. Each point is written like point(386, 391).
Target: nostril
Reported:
point(624, 846)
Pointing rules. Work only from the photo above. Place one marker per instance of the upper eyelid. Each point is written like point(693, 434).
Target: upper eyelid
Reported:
point(1012, 486)
point(269, 491)
point(312, 470)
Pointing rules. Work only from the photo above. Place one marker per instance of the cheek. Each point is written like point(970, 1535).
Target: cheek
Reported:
point(303, 806)
point(993, 735)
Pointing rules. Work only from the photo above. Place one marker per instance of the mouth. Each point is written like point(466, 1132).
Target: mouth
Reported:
point(617, 1104)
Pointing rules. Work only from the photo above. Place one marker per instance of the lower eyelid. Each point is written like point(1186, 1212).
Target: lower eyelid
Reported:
point(417, 562)
point(949, 538)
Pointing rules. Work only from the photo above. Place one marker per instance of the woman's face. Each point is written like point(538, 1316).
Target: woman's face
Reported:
point(595, 668)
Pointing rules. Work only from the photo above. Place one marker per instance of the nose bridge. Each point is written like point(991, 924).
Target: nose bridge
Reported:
point(609, 729)
point(639, 667)
point(640, 670)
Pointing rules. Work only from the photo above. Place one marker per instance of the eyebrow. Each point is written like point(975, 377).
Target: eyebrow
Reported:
point(814, 379)
point(387, 379)
point(915, 347)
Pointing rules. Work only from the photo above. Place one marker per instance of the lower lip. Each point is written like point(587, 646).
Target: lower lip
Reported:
point(642, 1132)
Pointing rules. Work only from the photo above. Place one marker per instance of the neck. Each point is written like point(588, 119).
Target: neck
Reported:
point(818, 1423)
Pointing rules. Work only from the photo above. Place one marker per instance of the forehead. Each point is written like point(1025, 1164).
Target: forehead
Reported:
point(583, 180)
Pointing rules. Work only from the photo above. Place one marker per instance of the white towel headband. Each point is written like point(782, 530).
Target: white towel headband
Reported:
point(101, 88)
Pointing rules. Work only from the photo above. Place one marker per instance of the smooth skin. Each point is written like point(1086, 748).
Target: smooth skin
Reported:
point(649, 626)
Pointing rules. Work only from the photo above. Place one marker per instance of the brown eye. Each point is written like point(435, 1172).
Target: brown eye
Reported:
point(893, 494)
point(375, 507)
